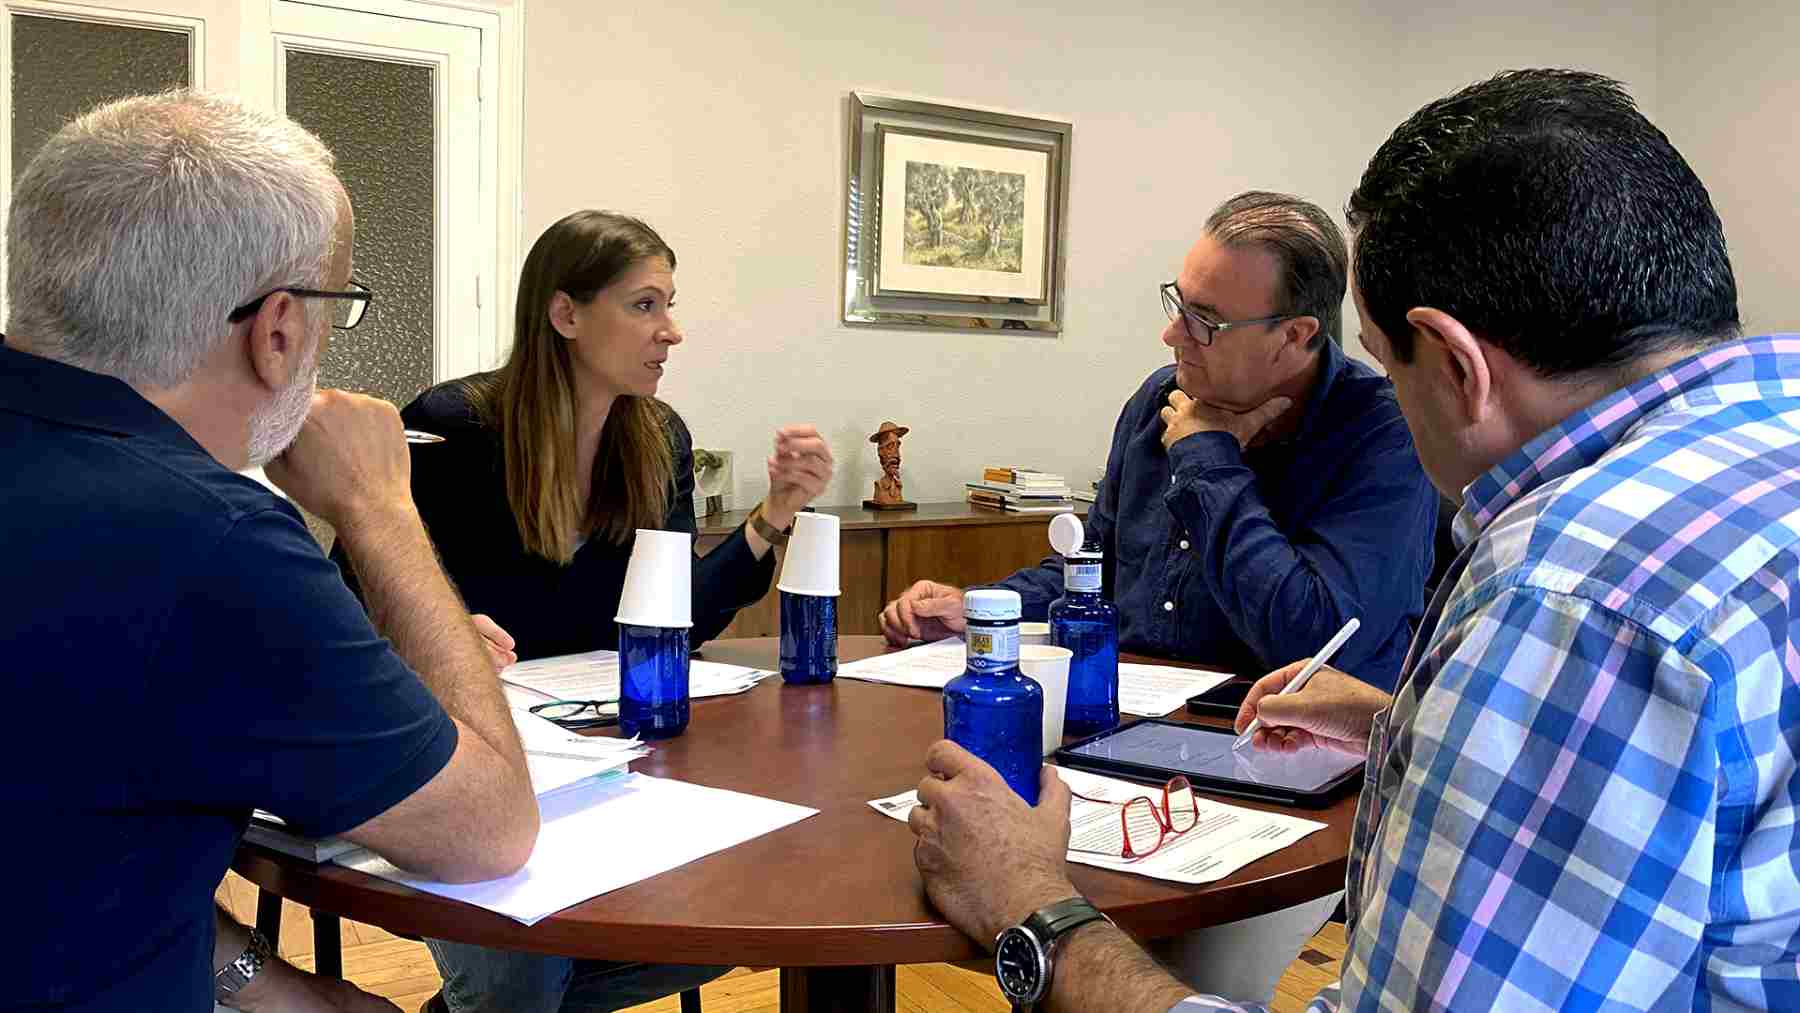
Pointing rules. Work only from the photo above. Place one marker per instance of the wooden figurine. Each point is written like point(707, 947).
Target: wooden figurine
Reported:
point(887, 487)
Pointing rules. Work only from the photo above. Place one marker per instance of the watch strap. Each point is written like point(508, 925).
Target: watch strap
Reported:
point(1059, 919)
point(231, 978)
point(769, 532)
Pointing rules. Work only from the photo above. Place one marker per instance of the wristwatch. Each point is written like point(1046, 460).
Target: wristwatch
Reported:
point(234, 976)
point(1025, 955)
point(770, 533)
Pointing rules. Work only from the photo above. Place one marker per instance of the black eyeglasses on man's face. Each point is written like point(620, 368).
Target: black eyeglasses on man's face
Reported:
point(1201, 329)
point(347, 309)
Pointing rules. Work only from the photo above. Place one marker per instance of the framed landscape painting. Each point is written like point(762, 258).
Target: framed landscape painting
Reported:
point(954, 217)
point(962, 217)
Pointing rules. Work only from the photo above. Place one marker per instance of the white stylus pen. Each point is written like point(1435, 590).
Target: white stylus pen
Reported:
point(1298, 682)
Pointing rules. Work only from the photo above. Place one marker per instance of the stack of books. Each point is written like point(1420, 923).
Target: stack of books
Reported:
point(1089, 495)
point(1022, 490)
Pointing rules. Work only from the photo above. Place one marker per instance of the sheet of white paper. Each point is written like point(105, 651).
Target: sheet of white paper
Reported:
point(928, 666)
point(595, 676)
point(1144, 690)
point(1154, 690)
point(605, 834)
point(1226, 838)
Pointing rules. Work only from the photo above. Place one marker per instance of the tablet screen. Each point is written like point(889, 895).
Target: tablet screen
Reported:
point(1197, 752)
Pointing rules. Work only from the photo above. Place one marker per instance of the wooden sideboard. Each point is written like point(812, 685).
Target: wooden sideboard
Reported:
point(884, 552)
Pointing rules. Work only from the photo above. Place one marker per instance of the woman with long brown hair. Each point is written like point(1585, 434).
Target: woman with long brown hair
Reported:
point(548, 467)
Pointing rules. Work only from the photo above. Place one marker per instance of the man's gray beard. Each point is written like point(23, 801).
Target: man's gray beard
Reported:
point(276, 425)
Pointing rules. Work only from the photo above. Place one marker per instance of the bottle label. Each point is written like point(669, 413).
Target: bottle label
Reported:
point(992, 648)
point(1081, 576)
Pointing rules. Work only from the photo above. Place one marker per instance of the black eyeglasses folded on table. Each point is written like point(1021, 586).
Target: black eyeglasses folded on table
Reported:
point(578, 714)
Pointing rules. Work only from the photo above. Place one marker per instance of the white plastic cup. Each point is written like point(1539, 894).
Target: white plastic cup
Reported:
point(810, 565)
point(1034, 633)
point(659, 581)
point(1049, 668)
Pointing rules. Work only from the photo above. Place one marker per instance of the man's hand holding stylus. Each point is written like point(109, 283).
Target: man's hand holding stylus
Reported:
point(1334, 710)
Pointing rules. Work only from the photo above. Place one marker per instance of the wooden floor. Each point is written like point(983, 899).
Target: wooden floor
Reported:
point(402, 970)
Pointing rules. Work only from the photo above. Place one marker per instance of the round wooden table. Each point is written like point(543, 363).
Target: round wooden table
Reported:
point(833, 900)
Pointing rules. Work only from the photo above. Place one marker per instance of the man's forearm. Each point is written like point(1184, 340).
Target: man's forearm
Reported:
point(1100, 967)
point(412, 603)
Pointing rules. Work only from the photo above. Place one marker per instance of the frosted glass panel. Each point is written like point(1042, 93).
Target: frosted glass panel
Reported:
point(62, 68)
point(378, 117)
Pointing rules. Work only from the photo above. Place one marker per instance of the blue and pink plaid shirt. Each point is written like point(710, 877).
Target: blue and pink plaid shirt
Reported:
point(1585, 793)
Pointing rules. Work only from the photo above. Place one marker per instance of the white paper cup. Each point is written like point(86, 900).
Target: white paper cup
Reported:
point(659, 581)
point(1034, 633)
point(1049, 668)
point(810, 565)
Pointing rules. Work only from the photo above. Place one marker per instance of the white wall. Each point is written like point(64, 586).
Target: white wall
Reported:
point(724, 127)
point(1731, 103)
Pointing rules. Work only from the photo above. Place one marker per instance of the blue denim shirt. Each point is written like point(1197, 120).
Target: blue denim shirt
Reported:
point(1250, 560)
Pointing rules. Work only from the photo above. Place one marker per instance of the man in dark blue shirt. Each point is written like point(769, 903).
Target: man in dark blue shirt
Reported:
point(1263, 488)
point(178, 651)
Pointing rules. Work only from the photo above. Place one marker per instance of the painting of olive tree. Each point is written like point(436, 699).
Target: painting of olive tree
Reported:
point(957, 216)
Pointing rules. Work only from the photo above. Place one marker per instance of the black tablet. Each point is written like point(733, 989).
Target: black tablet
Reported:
point(1154, 750)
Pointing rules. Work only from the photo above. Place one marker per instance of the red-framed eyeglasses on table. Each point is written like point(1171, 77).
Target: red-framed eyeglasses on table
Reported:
point(1147, 822)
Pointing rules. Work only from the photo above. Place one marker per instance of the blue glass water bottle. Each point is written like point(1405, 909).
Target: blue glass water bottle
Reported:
point(808, 638)
point(1088, 625)
point(991, 709)
point(653, 681)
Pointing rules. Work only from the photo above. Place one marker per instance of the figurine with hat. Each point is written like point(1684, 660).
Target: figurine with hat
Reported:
point(887, 487)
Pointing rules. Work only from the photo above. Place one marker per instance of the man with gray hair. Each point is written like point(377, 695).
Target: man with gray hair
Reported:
point(177, 263)
point(1262, 489)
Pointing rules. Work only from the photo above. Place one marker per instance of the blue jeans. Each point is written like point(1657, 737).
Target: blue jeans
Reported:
point(478, 979)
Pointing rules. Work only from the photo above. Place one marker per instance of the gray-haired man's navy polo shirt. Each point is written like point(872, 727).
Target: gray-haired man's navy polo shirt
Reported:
point(175, 651)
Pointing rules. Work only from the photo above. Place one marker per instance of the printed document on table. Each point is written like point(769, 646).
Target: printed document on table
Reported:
point(929, 666)
point(594, 675)
point(1154, 690)
point(1144, 690)
point(605, 834)
point(558, 757)
point(1226, 838)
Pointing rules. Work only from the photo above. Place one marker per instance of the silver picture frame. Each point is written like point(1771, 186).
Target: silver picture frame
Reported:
point(869, 300)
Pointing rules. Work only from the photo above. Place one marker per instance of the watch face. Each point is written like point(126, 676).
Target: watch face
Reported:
point(1019, 966)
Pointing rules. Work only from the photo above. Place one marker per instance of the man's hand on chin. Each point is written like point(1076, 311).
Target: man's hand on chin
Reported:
point(1185, 416)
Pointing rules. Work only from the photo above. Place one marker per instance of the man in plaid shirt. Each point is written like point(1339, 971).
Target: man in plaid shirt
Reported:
point(1583, 794)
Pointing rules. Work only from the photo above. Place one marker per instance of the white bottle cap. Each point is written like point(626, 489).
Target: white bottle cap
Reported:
point(1066, 534)
point(994, 604)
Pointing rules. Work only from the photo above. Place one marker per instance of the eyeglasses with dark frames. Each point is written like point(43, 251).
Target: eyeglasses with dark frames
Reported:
point(1201, 329)
point(579, 714)
point(351, 304)
point(1146, 823)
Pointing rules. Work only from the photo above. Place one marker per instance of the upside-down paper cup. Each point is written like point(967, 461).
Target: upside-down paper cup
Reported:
point(659, 581)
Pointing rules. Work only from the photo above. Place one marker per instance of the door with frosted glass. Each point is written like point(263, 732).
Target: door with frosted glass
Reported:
point(61, 61)
point(396, 101)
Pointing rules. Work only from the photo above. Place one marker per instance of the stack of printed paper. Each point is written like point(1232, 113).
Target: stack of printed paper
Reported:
point(595, 676)
point(556, 757)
